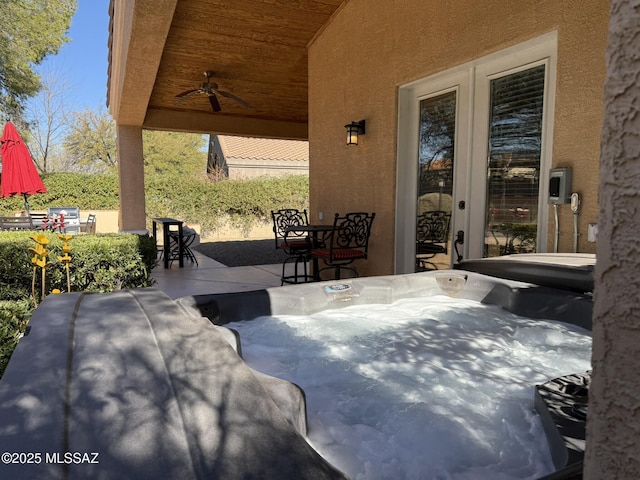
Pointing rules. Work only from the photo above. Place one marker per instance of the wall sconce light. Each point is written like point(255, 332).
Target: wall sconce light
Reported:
point(353, 130)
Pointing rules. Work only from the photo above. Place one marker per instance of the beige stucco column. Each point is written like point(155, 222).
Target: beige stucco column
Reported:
point(613, 425)
point(131, 173)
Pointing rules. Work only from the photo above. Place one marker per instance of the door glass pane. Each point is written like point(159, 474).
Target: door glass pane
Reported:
point(435, 181)
point(515, 138)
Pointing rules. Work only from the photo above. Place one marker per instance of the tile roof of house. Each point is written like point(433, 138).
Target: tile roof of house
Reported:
point(263, 148)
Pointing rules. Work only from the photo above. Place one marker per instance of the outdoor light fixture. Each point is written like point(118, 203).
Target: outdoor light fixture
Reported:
point(353, 130)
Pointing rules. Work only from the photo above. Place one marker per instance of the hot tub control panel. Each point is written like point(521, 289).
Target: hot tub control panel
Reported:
point(560, 185)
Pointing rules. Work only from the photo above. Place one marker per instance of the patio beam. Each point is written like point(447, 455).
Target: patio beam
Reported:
point(140, 29)
point(205, 123)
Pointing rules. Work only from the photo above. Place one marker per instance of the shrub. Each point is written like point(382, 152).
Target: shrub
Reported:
point(192, 199)
point(100, 263)
point(95, 192)
point(14, 316)
point(243, 202)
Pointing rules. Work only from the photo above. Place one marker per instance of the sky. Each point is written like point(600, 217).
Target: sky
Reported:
point(83, 61)
point(425, 388)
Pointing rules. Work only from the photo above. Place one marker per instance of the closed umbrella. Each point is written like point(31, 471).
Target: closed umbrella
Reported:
point(19, 174)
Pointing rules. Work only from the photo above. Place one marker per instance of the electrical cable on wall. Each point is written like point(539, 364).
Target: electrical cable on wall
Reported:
point(555, 238)
point(575, 208)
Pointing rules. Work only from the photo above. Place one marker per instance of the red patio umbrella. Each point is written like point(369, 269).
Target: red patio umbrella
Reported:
point(19, 174)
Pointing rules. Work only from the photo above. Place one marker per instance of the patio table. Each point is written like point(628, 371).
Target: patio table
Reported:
point(167, 223)
point(314, 230)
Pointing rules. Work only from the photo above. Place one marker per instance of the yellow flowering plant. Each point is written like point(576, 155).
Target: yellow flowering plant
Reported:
point(66, 259)
point(40, 260)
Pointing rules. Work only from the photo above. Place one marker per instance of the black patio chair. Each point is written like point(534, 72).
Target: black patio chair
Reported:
point(188, 237)
point(432, 238)
point(295, 244)
point(347, 242)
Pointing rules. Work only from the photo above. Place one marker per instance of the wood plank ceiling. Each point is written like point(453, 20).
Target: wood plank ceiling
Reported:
point(257, 50)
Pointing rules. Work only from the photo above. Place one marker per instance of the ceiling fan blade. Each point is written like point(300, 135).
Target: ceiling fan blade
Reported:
point(186, 96)
point(232, 97)
point(188, 92)
point(215, 105)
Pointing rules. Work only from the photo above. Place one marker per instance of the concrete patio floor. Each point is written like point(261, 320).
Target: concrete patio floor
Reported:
point(210, 276)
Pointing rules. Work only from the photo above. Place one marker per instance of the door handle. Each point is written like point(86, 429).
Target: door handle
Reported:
point(458, 241)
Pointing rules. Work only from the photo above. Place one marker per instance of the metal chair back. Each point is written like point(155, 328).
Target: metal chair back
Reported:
point(347, 242)
point(293, 242)
point(283, 220)
point(432, 238)
point(352, 231)
point(433, 227)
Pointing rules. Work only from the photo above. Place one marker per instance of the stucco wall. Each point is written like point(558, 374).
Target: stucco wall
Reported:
point(371, 47)
point(240, 169)
point(613, 429)
point(131, 176)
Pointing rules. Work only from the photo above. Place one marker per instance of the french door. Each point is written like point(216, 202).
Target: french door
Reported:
point(475, 146)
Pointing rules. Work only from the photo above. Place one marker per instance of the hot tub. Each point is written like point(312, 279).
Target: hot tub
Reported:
point(133, 384)
point(520, 298)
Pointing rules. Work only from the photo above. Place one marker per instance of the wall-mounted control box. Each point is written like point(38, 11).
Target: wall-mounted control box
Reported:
point(560, 185)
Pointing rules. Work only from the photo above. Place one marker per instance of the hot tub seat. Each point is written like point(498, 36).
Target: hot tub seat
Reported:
point(155, 393)
point(521, 298)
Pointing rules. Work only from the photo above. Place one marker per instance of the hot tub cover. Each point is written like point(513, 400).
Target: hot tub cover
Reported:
point(566, 271)
point(154, 393)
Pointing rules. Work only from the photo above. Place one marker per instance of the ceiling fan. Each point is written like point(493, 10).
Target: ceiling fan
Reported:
point(210, 89)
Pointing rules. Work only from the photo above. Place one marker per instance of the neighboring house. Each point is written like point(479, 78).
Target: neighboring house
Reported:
point(245, 157)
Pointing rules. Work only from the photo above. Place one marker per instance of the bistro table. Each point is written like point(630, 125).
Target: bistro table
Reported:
point(314, 230)
point(167, 223)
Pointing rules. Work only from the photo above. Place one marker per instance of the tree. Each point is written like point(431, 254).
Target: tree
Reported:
point(91, 141)
point(91, 144)
point(174, 153)
point(48, 119)
point(31, 30)
point(437, 142)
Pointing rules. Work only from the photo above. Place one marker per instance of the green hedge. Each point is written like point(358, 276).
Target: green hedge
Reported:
point(100, 263)
point(191, 199)
point(90, 192)
point(210, 204)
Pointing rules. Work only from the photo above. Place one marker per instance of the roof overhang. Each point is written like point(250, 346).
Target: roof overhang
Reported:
point(257, 50)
